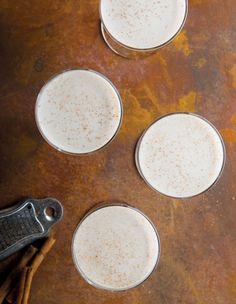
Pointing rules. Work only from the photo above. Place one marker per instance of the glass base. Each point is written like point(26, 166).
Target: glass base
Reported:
point(122, 50)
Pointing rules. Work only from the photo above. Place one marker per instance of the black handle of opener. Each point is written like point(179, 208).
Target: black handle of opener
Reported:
point(26, 222)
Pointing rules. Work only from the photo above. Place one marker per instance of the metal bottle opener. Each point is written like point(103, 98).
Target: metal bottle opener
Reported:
point(26, 222)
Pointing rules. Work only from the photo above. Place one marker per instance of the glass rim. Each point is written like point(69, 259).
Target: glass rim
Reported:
point(54, 76)
point(137, 161)
point(144, 49)
point(107, 205)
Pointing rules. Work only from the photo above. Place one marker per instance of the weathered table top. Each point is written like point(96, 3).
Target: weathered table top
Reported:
point(197, 72)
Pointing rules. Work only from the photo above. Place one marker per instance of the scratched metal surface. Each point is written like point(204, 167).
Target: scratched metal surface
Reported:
point(197, 72)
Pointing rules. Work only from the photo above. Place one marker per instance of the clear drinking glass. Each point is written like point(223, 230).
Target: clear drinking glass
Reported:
point(115, 247)
point(79, 111)
point(137, 28)
point(180, 155)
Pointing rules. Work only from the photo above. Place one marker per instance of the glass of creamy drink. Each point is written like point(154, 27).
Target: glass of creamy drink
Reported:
point(180, 155)
point(115, 247)
point(78, 111)
point(136, 28)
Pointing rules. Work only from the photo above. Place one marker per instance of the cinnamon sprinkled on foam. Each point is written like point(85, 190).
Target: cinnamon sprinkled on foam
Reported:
point(181, 155)
point(78, 111)
point(116, 247)
point(143, 24)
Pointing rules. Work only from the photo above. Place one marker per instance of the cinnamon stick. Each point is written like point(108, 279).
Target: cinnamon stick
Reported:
point(11, 278)
point(35, 265)
point(21, 286)
point(39, 257)
point(27, 286)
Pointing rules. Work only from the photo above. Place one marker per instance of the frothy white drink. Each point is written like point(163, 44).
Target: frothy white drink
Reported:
point(115, 248)
point(143, 24)
point(78, 111)
point(180, 155)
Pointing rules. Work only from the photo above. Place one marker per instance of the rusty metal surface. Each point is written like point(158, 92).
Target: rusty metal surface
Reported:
point(197, 72)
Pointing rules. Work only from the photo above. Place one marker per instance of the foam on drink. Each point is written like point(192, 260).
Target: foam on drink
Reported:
point(115, 248)
point(143, 24)
point(78, 111)
point(180, 155)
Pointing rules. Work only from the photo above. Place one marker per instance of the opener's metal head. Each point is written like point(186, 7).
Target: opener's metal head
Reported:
point(26, 222)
